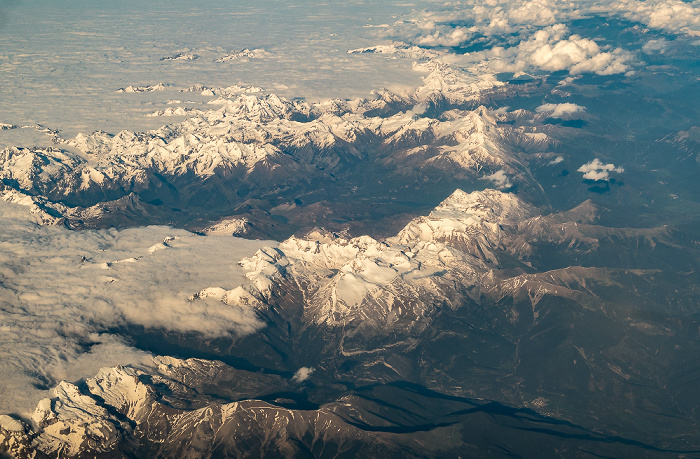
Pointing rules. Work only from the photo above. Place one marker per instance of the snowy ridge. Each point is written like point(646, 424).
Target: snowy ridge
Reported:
point(73, 422)
point(478, 143)
point(228, 227)
point(147, 88)
point(477, 223)
point(443, 82)
point(352, 287)
point(94, 422)
point(31, 169)
point(174, 152)
point(398, 49)
point(263, 109)
point(121, 388)
point(259, 139)
point(396, 280)
point(452, 256)
point(15, 437)
point(457, 87)
point(45, 213)
point(228, 92)
point(244, 54)
point(181, 57)
point(259, 133)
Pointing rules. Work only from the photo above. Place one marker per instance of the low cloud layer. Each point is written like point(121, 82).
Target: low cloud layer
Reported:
point(597, 171)
point(62, 291)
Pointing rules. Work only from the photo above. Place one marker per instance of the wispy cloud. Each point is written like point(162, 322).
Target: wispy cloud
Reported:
point(656, 46)
point(557, 160)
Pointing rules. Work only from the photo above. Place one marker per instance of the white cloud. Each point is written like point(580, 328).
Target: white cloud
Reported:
point(303, 374)
point(444, 36)
point(418, 109)
point(670, 15)
point(597, 171)
point(557, 160)
point(656, 46)
point(500, 179)
point(566, 110)
point(533, 35)
point(550, 49)
point(460, 23)
point(62, 291)
point(493, 18)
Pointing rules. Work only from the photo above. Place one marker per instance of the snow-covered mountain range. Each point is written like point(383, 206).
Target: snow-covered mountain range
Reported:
point(498, 261)
point(262, 146)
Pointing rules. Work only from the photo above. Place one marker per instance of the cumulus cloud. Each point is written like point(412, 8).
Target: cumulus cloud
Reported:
point(656, 46)
point(523, 36)
point(458, 24)
point(61, 292)
point(565, 110)
point(303, 374)
point(552, 49)
point(499, 179)
point(557, 160)
point(597, 171)
point(670, 15)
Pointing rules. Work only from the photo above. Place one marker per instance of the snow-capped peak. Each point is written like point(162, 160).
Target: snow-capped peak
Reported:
point(472, 222)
